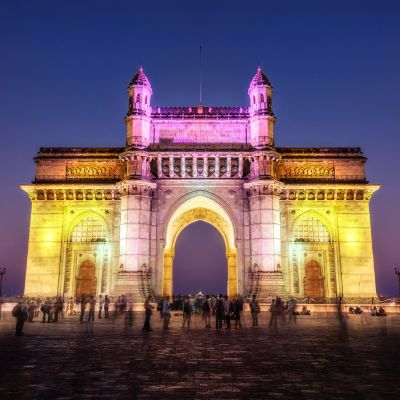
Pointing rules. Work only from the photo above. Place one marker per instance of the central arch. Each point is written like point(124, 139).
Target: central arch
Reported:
point(200, 209)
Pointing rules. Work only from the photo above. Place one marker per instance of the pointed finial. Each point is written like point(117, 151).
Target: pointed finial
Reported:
point(141, 69)
point(259, 68)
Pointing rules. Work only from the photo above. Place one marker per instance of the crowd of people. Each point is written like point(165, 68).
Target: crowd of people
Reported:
point(226, 312)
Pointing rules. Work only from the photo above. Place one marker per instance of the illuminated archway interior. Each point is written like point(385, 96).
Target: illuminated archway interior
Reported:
point(200, 209)
point(200, 263)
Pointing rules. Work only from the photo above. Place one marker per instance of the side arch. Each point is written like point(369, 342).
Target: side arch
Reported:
point(87, 236)
point(318, 216)
point(312, 240)
point(83, 215)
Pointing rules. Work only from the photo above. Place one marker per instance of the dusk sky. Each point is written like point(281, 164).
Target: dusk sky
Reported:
point(65, 67)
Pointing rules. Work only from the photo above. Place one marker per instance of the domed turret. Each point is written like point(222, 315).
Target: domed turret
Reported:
point(140, 92)
point(259, 79)
point(140, 79)
point(139, 110)
point(260, 91)
point(261, 115)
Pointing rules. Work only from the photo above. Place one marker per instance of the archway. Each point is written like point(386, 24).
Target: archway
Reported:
point(200, 208)
point(313, 280)
point(200, 263)
point(86, 280)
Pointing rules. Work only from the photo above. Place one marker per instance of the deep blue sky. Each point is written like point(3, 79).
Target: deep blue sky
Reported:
point(65, 66)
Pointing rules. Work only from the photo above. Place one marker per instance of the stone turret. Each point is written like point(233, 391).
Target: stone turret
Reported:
point(262, 118)
point(139, 111)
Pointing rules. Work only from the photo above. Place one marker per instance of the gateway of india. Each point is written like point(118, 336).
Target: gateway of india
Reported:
point(295, 221)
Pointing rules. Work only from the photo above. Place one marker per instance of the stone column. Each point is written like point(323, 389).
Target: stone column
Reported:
point(194, 166)
point(159, 166)
point(228, 166)
point(182, 166)
point(232, 274)
point(171, 167)
point(265, 239)
point(205, 166)
point(135, 224)
point(240, 172)
point(216, 166)
point(167, 273)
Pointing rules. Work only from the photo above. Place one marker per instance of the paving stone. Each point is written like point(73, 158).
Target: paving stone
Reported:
point(313, 359)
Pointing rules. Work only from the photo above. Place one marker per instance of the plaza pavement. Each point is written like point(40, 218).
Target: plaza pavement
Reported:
point(356, 357)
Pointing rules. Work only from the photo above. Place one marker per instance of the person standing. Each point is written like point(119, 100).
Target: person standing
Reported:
point(292, 310)
point(31, 311)
point(219, 312)
point(207, 311)
point(106, 306)
point(255, 310)
point(274, 310)
point(148, 311)
point(166, 312)
point(101, 304)
point(45, 308)
point(227, 312)
point(235, 312)
point(187, 312)
point(83, 309)
point(20, 313)
point(92, 306)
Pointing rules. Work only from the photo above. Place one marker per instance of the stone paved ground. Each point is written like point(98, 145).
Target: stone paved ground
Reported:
point(318, 358)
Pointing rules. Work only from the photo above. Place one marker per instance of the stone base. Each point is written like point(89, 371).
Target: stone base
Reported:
point(266, 285)
point(134, 283)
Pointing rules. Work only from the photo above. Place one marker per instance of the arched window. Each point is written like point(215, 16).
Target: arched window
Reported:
point(89, 229)
point(310, 229)
point(254, 99)
point(145, 100)
point(138, 98)
point(261, 98)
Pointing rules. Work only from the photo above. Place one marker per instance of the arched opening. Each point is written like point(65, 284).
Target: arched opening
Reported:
point(86, 281)
point(200, 262)
point(204, 209)
point(312, 259)
point(313, 280)
point(89, 239)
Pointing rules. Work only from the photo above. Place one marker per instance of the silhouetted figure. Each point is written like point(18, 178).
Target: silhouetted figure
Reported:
point(273, 309)
point(31, 311)
point(166, 313)
point(20, 313)
point(101, 304)
point(255, 310)
point(292, 305)
point(83, 309)
point(46, 308)
point(148, 311)
point(381, 312)
point(219, 312)
point(207, 311)
point(106, 306)
point(227, 312)
point(187, 312)
point(235, 309)
point(92, 306)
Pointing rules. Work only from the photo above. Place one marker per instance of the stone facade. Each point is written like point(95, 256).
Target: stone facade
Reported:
point(295, 221)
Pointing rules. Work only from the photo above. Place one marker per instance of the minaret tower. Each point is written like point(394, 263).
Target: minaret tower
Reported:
point(139, 111)
point(262, 118)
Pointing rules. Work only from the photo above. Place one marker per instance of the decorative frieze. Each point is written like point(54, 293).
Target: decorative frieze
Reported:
point(341, 194)
point(91, 172)
point(72, 194)
point(308, 172)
